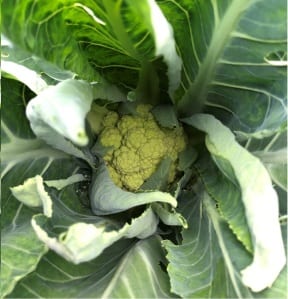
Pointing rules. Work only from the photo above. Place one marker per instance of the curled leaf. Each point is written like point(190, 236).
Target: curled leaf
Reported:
point(258, 196)
point(85, 241)
point(107, 198)
point(61, 109)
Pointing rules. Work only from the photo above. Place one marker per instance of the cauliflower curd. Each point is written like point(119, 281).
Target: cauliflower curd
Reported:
point(136, 144)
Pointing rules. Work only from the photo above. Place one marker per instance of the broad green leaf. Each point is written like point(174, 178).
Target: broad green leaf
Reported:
point(207, 263)
point(224, 46)
point(114, 274)
point(107, 198)
point(120, 39)
point(228, 198)
point(46, 34)
point(22, 157)
point(272, 151)
point(200, 267)
point(20, 253)
point(47, 71)
point(258, 195)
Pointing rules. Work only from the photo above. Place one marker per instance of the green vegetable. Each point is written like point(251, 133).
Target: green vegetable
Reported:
point(68, 231)
point(136, 144)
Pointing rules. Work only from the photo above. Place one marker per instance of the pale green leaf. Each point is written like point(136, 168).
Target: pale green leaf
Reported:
point(168, 215)
point(23, 157)
point(208, 261)
point(165, 46)
point(200, 267)
point(259, 198)
point(30, 78)
point(114, 274)
point(62, 183)
point(272, 151)
point(77, 244)
point(166, 116)
point(107, 198)
point(20, 253)
point(47, 71)
point(228, 198)
point(61, 110)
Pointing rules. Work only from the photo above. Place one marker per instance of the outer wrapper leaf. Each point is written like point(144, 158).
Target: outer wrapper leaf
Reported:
point(83, 242)
point(107, 198)
point(60, 111)
point(208, 261)
point(114, 274)
point(22, 157)
point(258, 196)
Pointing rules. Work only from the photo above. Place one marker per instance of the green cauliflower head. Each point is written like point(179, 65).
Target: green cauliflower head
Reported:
point(136, 144)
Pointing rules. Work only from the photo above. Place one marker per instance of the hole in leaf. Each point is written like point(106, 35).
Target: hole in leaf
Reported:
point(277, 58)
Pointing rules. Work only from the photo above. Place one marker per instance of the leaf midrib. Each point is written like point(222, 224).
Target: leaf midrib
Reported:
point(199, 88)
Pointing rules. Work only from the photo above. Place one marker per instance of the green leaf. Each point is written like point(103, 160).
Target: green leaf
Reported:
point(228, 198)
point(22, 157)
point(28, 77)
point(78, 235)
point(46, 71)
point(77, 243)
point(224, 47)
point(159, 179)
point(20, 253)
point(59, 111)
point(166, 116)
point(199, 267)
point(272, 151)
point(46, 34)
point(107, 198)
point(207, 263)
point(112, 37)
point(168, 215)
point(258, 195)
point(114, 274)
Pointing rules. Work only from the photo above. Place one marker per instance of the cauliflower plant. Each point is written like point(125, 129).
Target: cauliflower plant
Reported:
point(136, 144)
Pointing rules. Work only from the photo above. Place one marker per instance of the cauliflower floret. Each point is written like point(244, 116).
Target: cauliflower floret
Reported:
point(138, 146)
point(151, 124)
point(133, 181)
point(143, 110)
point(153, 149)
point(111, 137)
point(147, 172)
point(128, 122)
point(135, 138)
point(111, 119)
point(115, 176)
point(126, 161)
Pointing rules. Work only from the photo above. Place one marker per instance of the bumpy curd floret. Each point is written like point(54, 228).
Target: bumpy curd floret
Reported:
point(136, 144)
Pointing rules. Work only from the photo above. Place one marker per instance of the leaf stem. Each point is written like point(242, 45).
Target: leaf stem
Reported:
point(195, 97)
point(114, 15)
